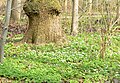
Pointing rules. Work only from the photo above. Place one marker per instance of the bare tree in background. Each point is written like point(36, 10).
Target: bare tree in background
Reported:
point(65, 6)
point(90, 13)
point(5, 29)
point(117, 9)
point(75, 16)
point(16, 10)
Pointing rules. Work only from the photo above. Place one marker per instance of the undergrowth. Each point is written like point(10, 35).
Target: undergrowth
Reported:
point(68, 63)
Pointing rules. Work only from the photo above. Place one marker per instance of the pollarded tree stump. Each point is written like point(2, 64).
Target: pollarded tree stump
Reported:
point(44, 22)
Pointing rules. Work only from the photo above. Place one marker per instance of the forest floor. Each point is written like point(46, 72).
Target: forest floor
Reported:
point(74, 62)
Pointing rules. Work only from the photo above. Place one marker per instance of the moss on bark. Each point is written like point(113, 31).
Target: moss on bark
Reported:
point(38, 6)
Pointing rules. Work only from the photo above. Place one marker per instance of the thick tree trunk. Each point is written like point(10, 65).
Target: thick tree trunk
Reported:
point(44, 25)
point(43, 29)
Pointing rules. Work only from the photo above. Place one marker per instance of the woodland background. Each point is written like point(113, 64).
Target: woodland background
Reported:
point(82, 45)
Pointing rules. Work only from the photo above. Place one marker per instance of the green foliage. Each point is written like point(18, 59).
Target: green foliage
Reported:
point(53, 64)
point(73, 81)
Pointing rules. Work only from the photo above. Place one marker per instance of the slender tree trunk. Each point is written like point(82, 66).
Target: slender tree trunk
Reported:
point(90, 14)
point(5, 30)
point(16, 10)
point(0, 29)
point(66, 4)
point(75, 16)
point(69, 7)
point(117, 10)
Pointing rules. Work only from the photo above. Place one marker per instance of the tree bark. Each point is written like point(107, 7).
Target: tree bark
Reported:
point(44, 24)
point(65, 6)
point(16, 10)
point(90, 13)
point(117, 11)
point(5, 30)
point(75, 16)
